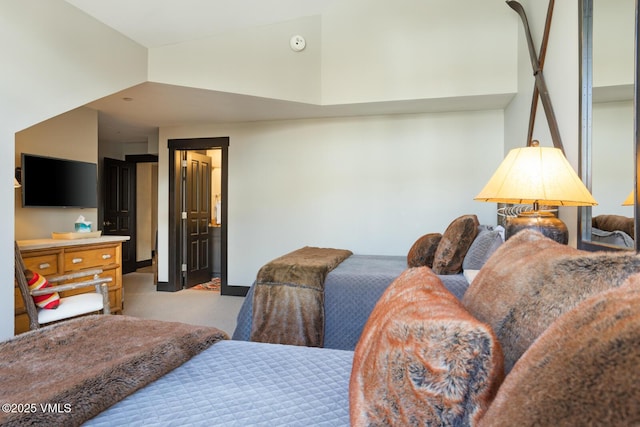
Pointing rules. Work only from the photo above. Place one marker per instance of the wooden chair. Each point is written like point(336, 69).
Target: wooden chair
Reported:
point(72, 306)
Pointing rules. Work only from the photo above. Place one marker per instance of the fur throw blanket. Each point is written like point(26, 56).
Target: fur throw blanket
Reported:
point(71, 371)
point(288, 299)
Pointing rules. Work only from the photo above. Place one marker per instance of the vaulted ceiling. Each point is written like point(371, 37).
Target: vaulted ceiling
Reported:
point(135, 113)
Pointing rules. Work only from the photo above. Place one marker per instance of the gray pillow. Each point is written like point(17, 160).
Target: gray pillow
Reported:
point(484, 245)
point(616, 238)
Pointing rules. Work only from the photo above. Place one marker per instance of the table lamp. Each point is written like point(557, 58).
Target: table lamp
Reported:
point(630, 200)
point(539, 176)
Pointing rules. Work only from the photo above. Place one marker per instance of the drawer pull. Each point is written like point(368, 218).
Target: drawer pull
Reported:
point(106, 256)
point(44, 265)
point(76, 260)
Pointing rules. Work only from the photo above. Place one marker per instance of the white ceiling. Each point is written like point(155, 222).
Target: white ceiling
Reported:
point(153, 23)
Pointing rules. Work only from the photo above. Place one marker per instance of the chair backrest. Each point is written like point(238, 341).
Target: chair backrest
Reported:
point(23, 285)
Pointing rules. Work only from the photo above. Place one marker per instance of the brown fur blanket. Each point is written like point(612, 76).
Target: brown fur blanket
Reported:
point(69, 372)
point(531, 280)
point(288, 299)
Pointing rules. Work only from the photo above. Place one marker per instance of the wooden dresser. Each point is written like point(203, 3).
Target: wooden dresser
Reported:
point(51, 257)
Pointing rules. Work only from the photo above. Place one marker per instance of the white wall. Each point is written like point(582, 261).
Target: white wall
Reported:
point(613, 127)
point(55, 60)
point(369, 184)
point(358, 51)
point(73, 136)
point(613, 42)
point(377, 50)
point(613, 160)
point(254, 61)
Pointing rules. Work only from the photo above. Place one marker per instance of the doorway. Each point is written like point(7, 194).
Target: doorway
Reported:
point(119, 207)
point(179, 262)
point(131, 211)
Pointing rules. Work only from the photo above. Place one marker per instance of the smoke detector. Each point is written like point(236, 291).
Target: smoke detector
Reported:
point(297, 43)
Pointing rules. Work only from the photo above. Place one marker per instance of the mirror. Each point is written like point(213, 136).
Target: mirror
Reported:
point(607, 134)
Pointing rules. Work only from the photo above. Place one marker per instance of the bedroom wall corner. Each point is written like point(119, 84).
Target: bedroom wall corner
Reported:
point(72, 135)
point(370, 184)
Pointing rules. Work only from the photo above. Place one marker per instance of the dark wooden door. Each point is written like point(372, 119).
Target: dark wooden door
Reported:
point(198, 217)
point(119, 204)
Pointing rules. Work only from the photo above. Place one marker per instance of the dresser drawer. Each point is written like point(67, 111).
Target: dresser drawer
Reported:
point(89, 258)
point(46, 265)
point(21, 323)
point(18, 301)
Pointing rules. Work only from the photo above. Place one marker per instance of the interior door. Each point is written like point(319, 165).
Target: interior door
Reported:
point(198, 216)
point(119, 204)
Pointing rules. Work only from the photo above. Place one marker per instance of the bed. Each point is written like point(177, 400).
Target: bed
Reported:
point(242, 383)
point(322, 297)
point(350, 292)
point(107, 370)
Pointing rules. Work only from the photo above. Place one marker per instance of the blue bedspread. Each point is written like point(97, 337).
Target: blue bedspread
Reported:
point(351, 291)
point(241, 383)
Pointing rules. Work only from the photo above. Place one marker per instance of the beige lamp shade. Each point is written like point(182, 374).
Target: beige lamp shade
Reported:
point(536, 175)
point(629, 201)
point(16, 184)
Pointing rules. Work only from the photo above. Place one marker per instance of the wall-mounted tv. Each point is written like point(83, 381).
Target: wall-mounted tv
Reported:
point(52, 182)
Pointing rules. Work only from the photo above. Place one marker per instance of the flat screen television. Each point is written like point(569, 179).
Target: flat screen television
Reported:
point(52, 182)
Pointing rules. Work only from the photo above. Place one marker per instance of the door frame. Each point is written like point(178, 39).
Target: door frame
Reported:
point(175, 274)
point(143, 158)
point(128, 246)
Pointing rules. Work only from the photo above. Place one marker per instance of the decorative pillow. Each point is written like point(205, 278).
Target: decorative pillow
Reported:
point(454, 245)
point(483, 246)
point(422, 356)
point(37, 281)
point(531, 280)
point(614, 222)
point(422, 251)
point(582, 370)
point(616, 238)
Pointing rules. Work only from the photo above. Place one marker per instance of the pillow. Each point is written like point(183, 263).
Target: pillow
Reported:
point(531, 280)
point(483, 246)
point(582, 370)
point(454, 245)
point(37, 281)
point(616, 238)
point(422, 356)
point(422, 251)
point(614, 222)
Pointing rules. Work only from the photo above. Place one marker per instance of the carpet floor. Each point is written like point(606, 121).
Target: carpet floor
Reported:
point(141, 299)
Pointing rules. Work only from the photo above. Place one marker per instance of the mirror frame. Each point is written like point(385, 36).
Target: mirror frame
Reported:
point(585, 155)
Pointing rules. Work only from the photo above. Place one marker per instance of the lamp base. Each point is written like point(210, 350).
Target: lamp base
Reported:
point(544, 222)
